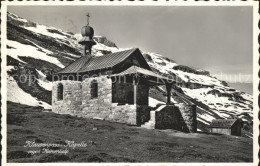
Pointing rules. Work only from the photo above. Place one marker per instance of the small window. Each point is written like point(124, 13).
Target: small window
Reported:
point(94, 89)
point(60, 91)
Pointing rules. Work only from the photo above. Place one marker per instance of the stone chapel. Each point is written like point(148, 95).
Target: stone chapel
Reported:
point(115, 87)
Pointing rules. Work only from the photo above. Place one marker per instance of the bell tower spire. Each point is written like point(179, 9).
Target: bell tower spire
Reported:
point(87, 41)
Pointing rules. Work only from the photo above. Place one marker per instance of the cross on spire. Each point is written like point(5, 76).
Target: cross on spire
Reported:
point(88, 18)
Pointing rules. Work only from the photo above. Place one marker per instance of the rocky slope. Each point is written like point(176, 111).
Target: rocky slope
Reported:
point(35, 50)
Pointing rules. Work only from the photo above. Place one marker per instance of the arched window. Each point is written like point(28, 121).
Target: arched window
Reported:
point(60, 92)
point(94, 89)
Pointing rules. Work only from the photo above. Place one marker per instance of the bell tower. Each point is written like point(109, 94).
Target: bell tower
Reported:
point(87, 41)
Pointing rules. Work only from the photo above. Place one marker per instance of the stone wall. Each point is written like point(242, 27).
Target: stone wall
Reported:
point(100, 106)
point(77, 101)
point(142, 114)
point(123, 114)
point(142, 94)
point(188, 113)
point(72, 97)
point(170, 117)
point(178, 117)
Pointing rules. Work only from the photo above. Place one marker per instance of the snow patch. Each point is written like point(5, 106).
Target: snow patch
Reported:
point(206, 117)
point(202, 121)
point(153, 102)
point(17, 95)
point(42, 29)
point(41, 73)
point(30, 51)
point(45, 84)
point(221, 105)
point(9, 68)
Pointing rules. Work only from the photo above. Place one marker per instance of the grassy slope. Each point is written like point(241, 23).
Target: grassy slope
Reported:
point(115, 142)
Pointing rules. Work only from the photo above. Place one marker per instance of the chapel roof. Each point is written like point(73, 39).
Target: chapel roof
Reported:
point(135, 70)
point(75, 66)
point(106, 61)
point(85, 64)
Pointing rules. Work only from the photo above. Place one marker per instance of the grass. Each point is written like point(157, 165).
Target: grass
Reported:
point(114, 142)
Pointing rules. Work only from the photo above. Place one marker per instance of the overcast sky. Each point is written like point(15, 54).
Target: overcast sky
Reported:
point(217, 39)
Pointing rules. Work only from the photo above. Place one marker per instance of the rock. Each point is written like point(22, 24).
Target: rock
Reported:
point(191, 70)
point(103, 40)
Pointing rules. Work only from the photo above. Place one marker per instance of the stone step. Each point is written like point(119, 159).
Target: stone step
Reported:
point(148, 126)
point(151, 123)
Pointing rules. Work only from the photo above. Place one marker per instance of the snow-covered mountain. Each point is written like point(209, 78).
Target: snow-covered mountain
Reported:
point(38, 50)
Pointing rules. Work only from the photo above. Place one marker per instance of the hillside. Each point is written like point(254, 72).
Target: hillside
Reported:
point(39, 50)
point(112, 142)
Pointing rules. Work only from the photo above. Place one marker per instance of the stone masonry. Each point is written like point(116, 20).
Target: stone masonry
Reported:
point(72, 98)
point(173, 117)
point(96, 107)
point(188, 113)
point(77, 101)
